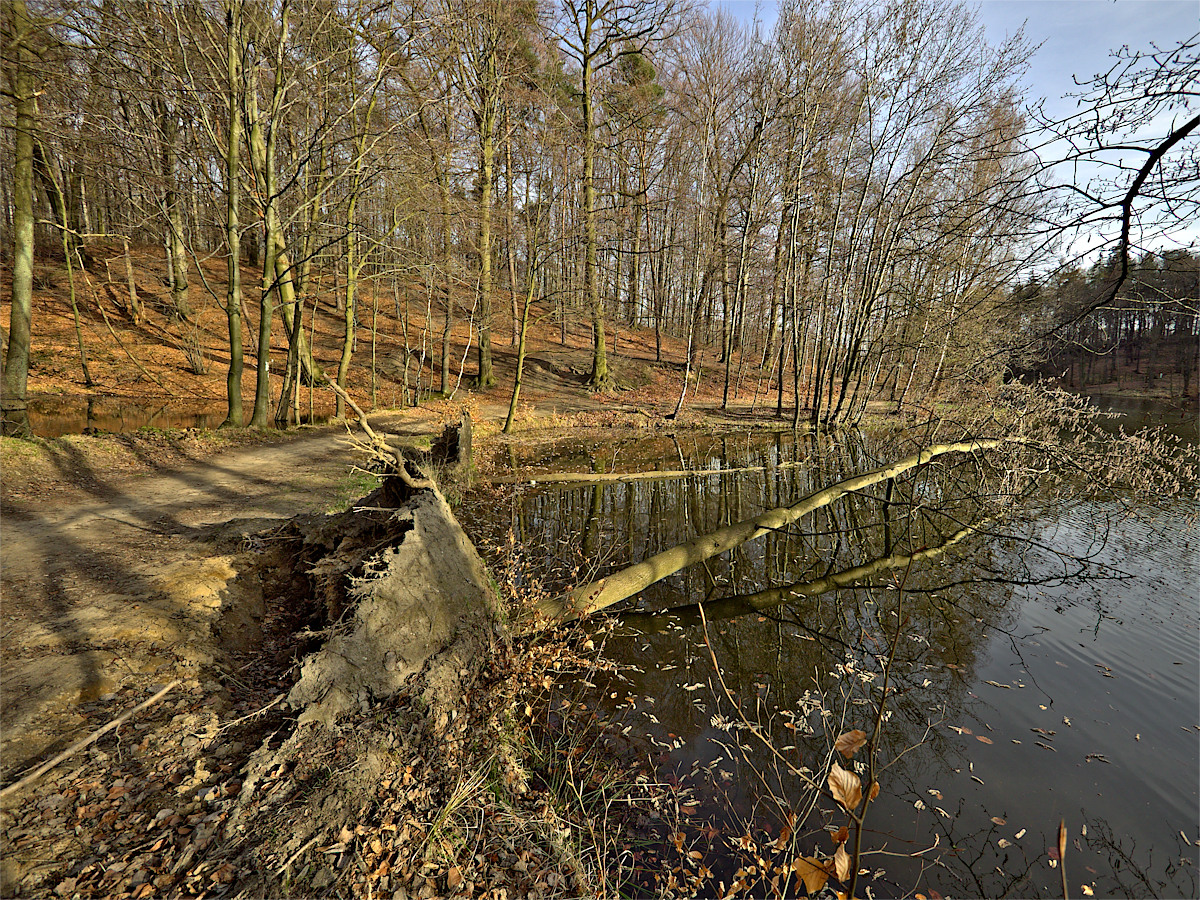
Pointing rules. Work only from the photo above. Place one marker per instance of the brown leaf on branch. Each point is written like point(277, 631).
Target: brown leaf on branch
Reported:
point(812, 872)
point(841, 863)
point(848, 742)
point(846, 787)
point(874, 792)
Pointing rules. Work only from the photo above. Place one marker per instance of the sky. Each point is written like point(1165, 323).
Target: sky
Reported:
point(1074, 38)
point(1077, 36)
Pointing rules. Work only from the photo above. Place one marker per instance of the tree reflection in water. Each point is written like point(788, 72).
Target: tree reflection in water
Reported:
point(802, 663)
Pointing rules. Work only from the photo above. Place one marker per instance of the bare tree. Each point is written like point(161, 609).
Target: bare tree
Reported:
point(594, 34)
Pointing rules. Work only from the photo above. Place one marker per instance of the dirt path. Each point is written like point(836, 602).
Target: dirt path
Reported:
point(116, 578)
point(111, 578)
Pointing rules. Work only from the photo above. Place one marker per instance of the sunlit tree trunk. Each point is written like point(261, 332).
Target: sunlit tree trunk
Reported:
point(233, 188)
point(16, 360)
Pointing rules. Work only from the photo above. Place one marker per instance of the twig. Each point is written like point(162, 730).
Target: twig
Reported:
point(292, 858)
point(257, 712)
point(1062, 855)
point(79, 745)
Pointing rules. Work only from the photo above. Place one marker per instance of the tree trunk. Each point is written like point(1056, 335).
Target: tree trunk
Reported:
point(487, 160)
point(591, 273)
point(15, 415)
point(176, 249)
point(598, 595)
point(233, 189)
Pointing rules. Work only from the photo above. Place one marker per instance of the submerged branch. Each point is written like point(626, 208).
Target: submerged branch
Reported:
point(601, 594)
point(739, 604)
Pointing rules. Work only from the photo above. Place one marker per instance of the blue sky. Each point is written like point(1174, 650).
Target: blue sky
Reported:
point(1076, 35)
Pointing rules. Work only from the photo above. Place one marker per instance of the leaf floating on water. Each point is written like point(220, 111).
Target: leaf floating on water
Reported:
point(846, 787)
point(1045, 746)
point(1067, 721)
point(1099, 757)
point(963, 730)
point(984, 739)
point(1020, 834)
point(936, 793)
point(1003, 842)
point(1044, 731)
point(1087, 890)
point(977, 778)
point(998, 684)
point(999, 821)
point(849, 742)
point(692, 687)
point(1042, 706)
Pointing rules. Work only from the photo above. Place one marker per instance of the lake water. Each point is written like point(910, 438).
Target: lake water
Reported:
point(1047, 668)
point(51, 416)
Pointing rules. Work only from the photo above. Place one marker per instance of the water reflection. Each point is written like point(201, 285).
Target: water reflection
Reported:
point(51, 417)
point(1045, 670)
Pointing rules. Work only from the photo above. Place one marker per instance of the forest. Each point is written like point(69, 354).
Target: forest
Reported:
point(640, 451)
point(857, 204)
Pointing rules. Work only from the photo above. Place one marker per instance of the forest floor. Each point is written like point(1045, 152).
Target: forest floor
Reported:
point(140, 561)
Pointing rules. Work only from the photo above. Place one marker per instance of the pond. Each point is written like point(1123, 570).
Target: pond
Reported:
point(1045, 668)
point(54, 416)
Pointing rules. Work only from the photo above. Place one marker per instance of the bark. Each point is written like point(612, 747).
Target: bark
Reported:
point(512, 403)
point(176, 250)
point(135, 306)
point(14, 416)
point(728, 607)
point(591, 273)
point(598, 595)
point(487, 164)
point(233, 237)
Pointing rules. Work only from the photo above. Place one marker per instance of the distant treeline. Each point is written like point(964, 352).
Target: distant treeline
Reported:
point(1148, 334)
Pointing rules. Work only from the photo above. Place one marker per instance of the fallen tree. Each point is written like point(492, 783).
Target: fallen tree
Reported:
point(603, 593)
point(625, 477)
point(741, 604)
